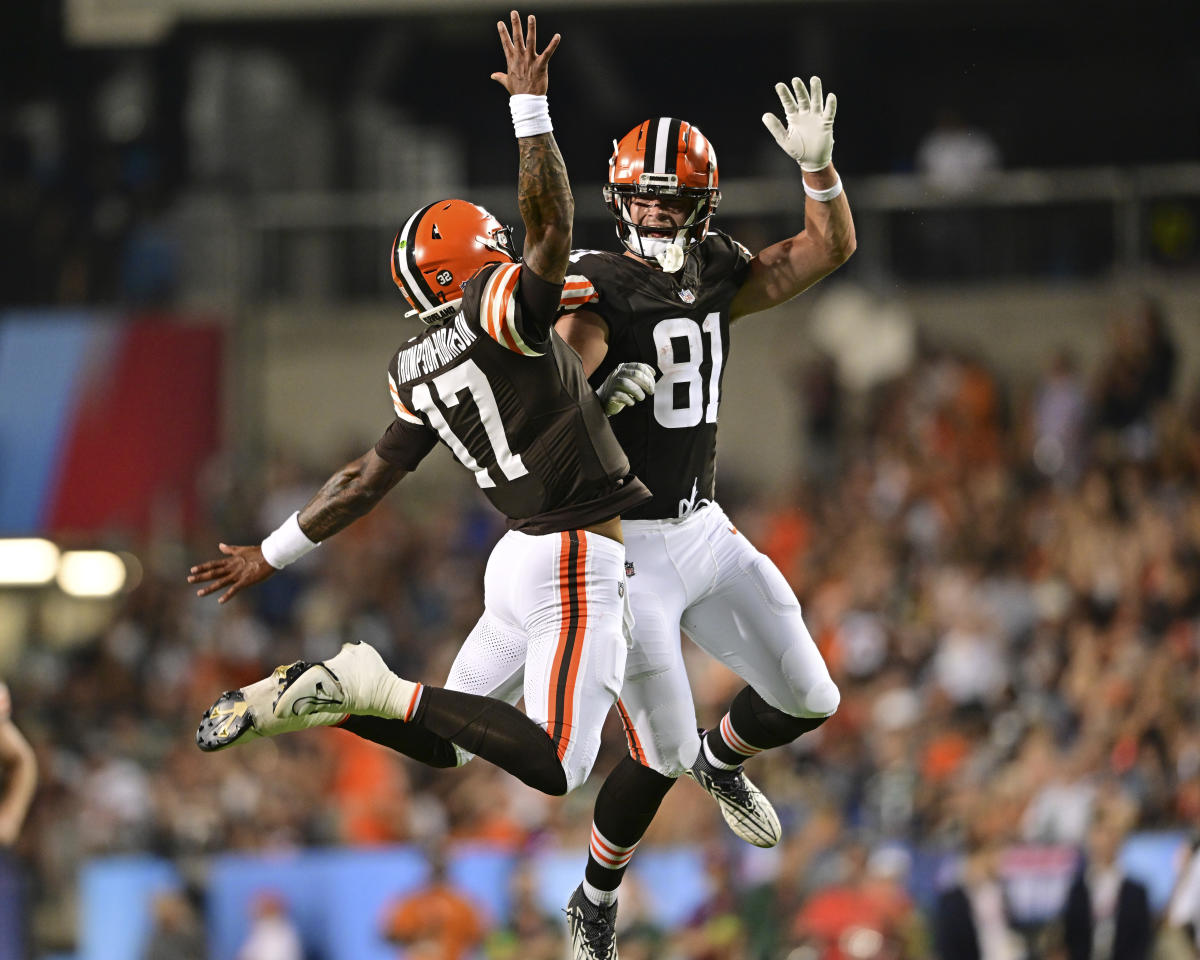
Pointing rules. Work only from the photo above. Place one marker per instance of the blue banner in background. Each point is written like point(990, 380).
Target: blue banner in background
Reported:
point(116, 905)
point(42, 357)
point(338, 899)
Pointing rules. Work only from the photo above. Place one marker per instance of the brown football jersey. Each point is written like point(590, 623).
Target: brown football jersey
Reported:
point(679, 324)
point(502, 390)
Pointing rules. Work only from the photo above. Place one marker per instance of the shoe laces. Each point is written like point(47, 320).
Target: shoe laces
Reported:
point(290, 674)
point(731, 785)
point(597, 926)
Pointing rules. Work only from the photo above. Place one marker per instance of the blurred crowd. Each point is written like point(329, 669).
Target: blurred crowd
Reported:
point(1004, 579)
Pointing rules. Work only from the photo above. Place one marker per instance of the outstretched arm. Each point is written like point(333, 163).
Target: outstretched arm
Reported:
point(347, 495)
point(787, 268)
point(543, 191)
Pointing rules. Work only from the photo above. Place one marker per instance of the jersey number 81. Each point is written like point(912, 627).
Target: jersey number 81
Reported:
point(687, 371)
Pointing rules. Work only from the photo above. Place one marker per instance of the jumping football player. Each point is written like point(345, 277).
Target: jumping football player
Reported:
point(668, 300)
point(491, 379)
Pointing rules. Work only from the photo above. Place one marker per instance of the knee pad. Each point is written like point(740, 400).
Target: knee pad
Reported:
point(823, 699)
point(677, 761)
point(772, 584)
point(810, 693)
point(675, 741)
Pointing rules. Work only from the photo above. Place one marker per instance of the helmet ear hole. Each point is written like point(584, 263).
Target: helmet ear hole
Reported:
point(432, 258)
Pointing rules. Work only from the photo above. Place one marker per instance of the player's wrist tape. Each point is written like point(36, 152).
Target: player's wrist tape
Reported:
point(287, 544)
point(530, 114)
point(824, 195)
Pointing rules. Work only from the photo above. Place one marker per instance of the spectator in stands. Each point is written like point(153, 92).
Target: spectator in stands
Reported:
point(715, 931)
point(955, 159)
point(272, 935)
point(1183, 912)
point(1060, 421)
point(868, 915)
point(972, 918)
point(530, 933)
point(1138, 372)
point(177, 933)
point(1107, 913)
point(954, 156)
point(436, 922)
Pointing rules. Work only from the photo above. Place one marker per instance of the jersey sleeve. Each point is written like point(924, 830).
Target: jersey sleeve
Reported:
point(729, 259)
point(406, 444)
point(595, 288)
point(517, 308)
point(408, 438)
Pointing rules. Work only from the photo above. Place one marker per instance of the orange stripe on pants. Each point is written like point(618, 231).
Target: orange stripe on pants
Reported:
point(572, 596)
point(631, 737)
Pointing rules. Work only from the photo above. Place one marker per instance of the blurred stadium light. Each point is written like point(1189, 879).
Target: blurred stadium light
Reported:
point(27, 562)
point(91, 573)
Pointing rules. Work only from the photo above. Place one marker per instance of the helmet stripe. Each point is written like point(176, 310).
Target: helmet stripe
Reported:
point(414, 280)
point(662, 146)
point(672, 157)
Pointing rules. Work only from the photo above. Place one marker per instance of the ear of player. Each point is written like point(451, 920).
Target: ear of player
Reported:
point(808, 136)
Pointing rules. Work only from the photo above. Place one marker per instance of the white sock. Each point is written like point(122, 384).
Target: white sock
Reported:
point(719, 764)
point(598, 897)
point(376, 691)
point(393, 696)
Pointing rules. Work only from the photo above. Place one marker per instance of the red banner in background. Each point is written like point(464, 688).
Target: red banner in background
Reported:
point(145, 420)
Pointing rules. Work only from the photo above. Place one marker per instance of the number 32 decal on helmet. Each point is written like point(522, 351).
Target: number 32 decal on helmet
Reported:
point(440, 248)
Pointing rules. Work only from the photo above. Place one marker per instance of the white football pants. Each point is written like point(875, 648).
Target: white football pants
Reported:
point(555, 629)
point(701, 574)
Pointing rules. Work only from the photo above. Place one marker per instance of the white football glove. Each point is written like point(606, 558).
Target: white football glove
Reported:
point(625, 386)
point(808, 138)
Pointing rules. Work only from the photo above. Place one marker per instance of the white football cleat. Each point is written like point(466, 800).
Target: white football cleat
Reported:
point(239, 716)
point(745, 808)
point(356, 681)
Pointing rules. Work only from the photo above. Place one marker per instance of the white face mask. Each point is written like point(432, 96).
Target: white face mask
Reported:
point(668, 253)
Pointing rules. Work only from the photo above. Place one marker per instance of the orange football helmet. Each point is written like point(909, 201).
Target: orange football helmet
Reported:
point(663, 157)
point(439, 249)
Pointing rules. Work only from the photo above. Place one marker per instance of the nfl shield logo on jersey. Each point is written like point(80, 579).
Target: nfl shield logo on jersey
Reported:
point(687, 296)
point(629, 571)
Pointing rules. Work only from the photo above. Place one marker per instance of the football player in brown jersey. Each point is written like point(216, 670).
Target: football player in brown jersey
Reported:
point(668, 300)
point(491, 379)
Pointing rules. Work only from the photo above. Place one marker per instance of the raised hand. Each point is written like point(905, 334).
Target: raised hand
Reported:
point(241, 567)
point(808, 137)
point(528, 71)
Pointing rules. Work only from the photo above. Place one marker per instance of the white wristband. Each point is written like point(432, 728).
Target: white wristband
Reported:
point(530, 114)
point(287, 544)
point(824, 195)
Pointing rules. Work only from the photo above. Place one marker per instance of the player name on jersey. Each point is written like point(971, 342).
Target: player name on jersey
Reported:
point(441, 347)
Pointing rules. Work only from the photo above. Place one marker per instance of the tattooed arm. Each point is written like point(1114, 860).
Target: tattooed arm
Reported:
point(547, 207)
point(543, 191)
point(350, 493)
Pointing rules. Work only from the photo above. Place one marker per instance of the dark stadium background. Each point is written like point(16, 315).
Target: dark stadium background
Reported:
point(187, 346)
